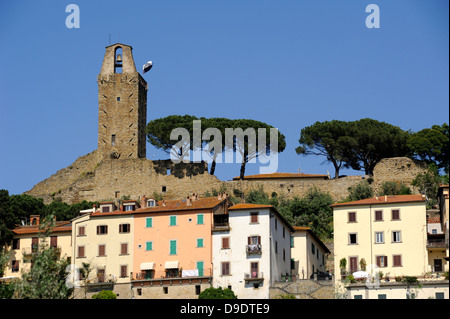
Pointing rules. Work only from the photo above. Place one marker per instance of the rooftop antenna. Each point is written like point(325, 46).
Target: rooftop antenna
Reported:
point(110, 39)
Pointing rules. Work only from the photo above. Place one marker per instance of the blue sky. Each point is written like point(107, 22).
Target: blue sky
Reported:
point(286, 63)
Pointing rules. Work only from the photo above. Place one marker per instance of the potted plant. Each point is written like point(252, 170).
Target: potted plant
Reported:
point(343, 265)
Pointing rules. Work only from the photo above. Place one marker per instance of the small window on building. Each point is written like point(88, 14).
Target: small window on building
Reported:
point(173, 220)
point(163, 189)
point(16, 243)
point(396, 237)
point(168, 171)
point(124, 228)
point(149, 246)
point(378, 215)
point(82, 231)
point(199, 242)
point(225, 268)
point(200, 219)
point(113, 140)
point(351, 217)
point(151, 203)
point(225, 242)
point(440, 295)
point(397, 260)
point(395, 214)
point(130, 208)
point(149, 222)
point(379, 237)
point(165, 290)
point(197, 289)
point(118, 99)
point(102, 230)
point(254, 217)
point(101, 250)
point(382, 261)
point(382, 296)
point(352, 239)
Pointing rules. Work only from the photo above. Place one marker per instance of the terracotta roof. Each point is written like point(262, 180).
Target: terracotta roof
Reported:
point(389, 199)
point(249, 206)
point(282, 175)
point(174, 205)
point(61, 226)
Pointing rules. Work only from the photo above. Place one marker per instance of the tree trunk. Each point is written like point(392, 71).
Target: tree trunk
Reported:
point(213, 168)
point(242, 174)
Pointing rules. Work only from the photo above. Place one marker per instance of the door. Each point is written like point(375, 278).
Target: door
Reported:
point(437, 265)
point(200, 268)
point(353, 264)
point(254, 269)
point(101, 275)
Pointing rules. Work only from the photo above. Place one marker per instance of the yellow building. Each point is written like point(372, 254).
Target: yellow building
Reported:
point(444, 210)
point(386, 233)
point(308, 253)
point(27, 240)
point(104, 240)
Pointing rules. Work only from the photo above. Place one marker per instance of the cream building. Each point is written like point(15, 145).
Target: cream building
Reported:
point(252, 251)
point(104, 240)
point(389, 233)
point(28, 240)
point(444, 210)
point(308, 253)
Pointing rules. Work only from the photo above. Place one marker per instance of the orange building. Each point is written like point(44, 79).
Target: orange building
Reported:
point(173, 245)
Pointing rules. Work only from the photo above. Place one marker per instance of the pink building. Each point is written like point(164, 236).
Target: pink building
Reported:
point(173, 245)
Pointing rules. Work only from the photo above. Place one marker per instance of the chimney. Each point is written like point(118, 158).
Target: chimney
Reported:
point(385, 198)
point(188, 201)
point(219, 197)
point(94, 208)
point(164, 203)
point(143, 201)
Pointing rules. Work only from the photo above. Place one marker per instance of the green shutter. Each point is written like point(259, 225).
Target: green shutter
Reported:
point(173, 220)
point(149, 222)
point(200, 219)
point(200, 242)
point(149, 245)
point(200, 268)
point(173, 247)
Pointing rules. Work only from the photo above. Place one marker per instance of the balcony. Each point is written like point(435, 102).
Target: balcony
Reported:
point(253, 249)
point(436, 241)
point(254, 276)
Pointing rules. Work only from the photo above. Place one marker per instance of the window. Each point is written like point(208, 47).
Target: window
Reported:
point(440, 295)
point(82, 231)
point(352, 239)
point(173, 247)
point(81, 252)
point(149, 222)
point(53, 241)
point(313, 248)
point(276, 247)
point(352, 217)
point(124, 228)
point(124, 249)
point(15, 266)
point(254, 217)
point(16, 243)
point(118, 99)
point(382, 296)
point(197, 289)
point(199, 242)
point(396, 238)
point(284, 231)
point(130, 208)
point(397, 260)
point(378, 215)
point(113, 139)
point(284, 254)
point(225, 242)
point(105, 209)
point(166, 290)
point(173, 220)
point(200, 268)
point(149, 245)
point(357, 297)
point(163, 189)
point(151, 203)
point(225, 268)
point(101, 250)
point(395, 214)
point(379, 237)
point(254, 240)
point(254, 267)
point(292, 242)
point(102, 230)
point(381, 261)
point(200, 219)
point(276, 224)
point(123, 271)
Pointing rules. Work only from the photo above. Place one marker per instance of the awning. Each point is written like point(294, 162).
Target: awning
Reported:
point(147, 266)
point(171, 265)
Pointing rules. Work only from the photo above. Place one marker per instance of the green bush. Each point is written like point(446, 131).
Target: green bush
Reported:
point(217, 293)
point(105, 294)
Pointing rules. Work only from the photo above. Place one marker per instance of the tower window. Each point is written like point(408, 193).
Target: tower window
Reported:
point(118, 60)
point(164, 189)
point(118, 99)
point(113, 139)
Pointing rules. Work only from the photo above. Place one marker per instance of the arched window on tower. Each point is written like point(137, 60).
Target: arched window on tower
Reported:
point(118, 56)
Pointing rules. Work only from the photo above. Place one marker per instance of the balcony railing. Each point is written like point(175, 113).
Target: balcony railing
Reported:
point(253, 249)
point(436, 243)
point(254, 275)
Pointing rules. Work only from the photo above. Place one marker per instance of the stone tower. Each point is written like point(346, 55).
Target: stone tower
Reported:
point(122, 106)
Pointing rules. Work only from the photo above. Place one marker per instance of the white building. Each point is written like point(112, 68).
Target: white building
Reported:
point(252, 251)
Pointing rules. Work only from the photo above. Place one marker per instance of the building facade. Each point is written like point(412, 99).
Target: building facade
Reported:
point(252, 251)
point(387, 234)
point(309, 253)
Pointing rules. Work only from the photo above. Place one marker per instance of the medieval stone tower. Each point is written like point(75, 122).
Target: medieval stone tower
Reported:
point(122, 106)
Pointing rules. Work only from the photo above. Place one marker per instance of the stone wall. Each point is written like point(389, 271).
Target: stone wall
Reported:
point(304, 289)
point(92, 179)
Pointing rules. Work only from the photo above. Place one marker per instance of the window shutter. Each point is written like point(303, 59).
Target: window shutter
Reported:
point(149, 222)
point(385, 261)
point(149, 245)
point(124, 249)
point(249, 240)
point(259, 240)
point(225, 242)
point(173, 247)
point(200, 219)
point(98, 230)
point(378, 261)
